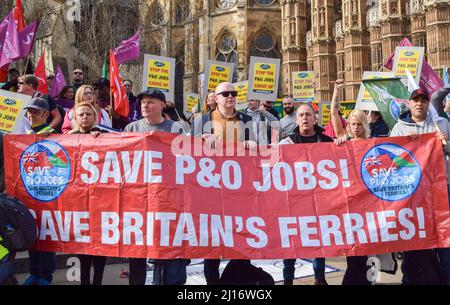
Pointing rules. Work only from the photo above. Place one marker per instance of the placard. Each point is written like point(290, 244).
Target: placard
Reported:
point(159, 73)
point(11, 110)
point(263, 78)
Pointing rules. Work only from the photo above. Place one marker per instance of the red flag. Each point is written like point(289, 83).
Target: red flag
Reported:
point(18, 15)
point(40, 74)
point(121, 104)
point(4, 74)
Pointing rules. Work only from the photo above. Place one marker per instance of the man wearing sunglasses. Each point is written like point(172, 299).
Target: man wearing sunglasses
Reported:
point(223, 124)
point(77, 79)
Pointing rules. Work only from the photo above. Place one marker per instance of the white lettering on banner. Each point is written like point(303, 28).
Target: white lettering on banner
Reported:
point(110, 228)
point(132, 224)
point(111, 168)
point(170, 229)
point(79, 227)
point(146, 167)
point(354, 223)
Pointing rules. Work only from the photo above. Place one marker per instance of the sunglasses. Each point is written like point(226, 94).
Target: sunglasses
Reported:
point(81, 73)
point(21, 83)
point(228, 93)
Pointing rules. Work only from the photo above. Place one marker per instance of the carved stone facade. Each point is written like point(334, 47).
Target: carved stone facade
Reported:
point(334, 38)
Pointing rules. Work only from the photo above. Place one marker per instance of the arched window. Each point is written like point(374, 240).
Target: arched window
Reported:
point(226, 51)
point(181, 11)
point(265, 45)
point(155, 14)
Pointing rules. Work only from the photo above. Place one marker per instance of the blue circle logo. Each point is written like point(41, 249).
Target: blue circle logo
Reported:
point(394, 108)
point(390, 172)
point(45, 170)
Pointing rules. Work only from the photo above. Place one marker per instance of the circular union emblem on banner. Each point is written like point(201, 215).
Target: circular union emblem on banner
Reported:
point(390, 172)
point(395, 109)
point(45, 170)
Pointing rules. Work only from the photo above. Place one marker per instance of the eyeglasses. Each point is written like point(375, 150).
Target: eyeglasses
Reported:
point(21, 83)
point(228, 93)
point(80, 73)
point(87, 93)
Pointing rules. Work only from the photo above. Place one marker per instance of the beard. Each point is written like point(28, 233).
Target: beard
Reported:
point(289, 110)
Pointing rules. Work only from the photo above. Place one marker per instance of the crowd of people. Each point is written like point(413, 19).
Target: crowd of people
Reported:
point(84, 109)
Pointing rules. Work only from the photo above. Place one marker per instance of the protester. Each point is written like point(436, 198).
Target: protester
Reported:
point(222, 124)
point(135, 107)
point(420, 266)
point(287, 123)
point(208, 105)
point(85, 117)
point(328, 128)
point(357, 129)
point(265, 124)
point(170, 112)
point(165, 272)
point(442, 106)
point(28, 85)
point(307, 131)
point(77, 79)
point(102, 94)
point(268, 106)
point(439, 101)
point(85, 94)
point(66, 98)
point(50, 81)
point(42, 264)
point(13, 83)
point(378, 127)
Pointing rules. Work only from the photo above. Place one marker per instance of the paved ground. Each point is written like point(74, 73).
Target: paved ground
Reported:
point(113, 271)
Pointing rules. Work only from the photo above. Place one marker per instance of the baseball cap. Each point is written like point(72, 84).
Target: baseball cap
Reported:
point(38, 103)
point(156, 93)
point(419, 92)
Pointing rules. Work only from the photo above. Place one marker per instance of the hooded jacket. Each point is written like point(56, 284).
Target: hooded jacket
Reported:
point(406, 126)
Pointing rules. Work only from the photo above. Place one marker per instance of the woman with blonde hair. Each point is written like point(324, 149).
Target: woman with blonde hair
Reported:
point(85, 117)
point(86, 94)
point(357, 129)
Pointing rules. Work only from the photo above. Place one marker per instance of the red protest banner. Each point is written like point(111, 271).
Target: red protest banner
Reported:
point(158, 195)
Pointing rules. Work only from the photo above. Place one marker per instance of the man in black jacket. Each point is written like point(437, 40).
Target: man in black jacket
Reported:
point(307, 131)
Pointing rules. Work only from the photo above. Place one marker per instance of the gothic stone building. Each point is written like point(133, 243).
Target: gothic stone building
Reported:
point(335, 39)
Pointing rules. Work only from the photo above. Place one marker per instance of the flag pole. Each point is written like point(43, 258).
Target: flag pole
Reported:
point(110, 95)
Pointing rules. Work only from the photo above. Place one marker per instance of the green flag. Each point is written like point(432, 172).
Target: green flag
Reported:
point(105, 69)
point(390, 96)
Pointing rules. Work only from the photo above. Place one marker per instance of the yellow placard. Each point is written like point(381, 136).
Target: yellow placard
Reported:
point(302, 85)
point(9, 111)
point(159, 75)
point(191, 102)
point(264, 78)
point(345, 107)
point(408, 60)
point(241, 89)
point(217, 74)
